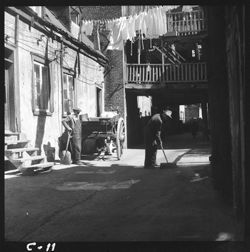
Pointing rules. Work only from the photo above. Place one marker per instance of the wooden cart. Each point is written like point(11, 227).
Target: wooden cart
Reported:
point(101, 134)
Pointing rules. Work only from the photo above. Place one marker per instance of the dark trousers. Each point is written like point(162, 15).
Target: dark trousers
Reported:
point(150, 148)
point(75, 148)
point(76, 142)
point(150, 154)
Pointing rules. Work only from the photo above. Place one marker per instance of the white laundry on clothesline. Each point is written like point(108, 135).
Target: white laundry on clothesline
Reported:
point(151, 23)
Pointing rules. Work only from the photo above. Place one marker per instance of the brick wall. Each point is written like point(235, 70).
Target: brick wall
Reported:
point(114, 87)
point(101, 12)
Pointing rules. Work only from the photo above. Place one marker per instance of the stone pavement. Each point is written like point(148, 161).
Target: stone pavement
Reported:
point(115, 200)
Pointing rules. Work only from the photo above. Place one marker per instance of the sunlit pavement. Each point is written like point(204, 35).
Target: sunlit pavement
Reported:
point(119, 200)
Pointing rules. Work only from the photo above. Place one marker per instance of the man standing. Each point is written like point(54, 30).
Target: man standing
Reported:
point(153, 136)
point(73, 125)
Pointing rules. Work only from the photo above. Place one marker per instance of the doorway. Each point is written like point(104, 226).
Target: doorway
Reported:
point(98, 102)
point(9, 99)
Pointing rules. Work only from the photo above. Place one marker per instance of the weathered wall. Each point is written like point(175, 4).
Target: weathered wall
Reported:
point(88, 77)
point(91, 77)
point(235, 68)
point(43, 129)
point(9, 27)
point(218, 102)
point(39, 129)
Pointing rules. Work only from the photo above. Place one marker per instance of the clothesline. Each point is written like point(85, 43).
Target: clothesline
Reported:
point(152, 23)
point(185, 8)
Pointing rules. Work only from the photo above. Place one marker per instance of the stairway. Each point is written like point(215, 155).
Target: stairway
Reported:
point(177, 57)
point(22, 156)
point(170, 54)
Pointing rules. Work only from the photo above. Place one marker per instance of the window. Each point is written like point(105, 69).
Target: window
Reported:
point(144, 104)
point(75, 17)
point(193, 53)
point(42, 102)
point(68, 93)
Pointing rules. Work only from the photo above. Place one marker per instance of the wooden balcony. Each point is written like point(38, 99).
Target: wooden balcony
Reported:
point(186, 23)
point(167, 73)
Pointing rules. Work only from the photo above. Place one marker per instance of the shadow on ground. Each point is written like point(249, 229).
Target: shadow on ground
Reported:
point(117, 203)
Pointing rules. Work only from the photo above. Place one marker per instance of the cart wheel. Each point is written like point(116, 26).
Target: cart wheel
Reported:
point(120, 137)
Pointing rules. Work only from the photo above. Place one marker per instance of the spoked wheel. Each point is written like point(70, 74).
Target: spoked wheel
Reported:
point(120, 137)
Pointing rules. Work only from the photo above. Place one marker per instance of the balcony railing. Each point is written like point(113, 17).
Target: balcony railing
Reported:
point(158, 73)
point(186, 22)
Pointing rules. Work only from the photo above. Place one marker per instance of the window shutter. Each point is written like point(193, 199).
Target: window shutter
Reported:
point(33, 86)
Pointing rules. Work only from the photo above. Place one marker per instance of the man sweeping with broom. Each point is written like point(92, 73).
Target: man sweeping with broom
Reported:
point(153, 137)
point(73, 125)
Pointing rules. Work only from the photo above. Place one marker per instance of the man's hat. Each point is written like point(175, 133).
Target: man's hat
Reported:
point(77, 109)
point(166, 108)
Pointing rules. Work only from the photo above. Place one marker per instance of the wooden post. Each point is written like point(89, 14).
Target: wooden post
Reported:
point(201, 72)
point(139, 49)
point(204, 112)
point(61, 74)
point(133, 73)
point(16, 77)
point(143, 73)
point(162, 62)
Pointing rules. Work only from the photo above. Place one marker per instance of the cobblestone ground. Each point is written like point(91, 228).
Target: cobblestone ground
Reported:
point(115, 200)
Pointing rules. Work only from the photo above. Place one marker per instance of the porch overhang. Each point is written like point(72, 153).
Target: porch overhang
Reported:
point(174, 86)
point(29, 15)
point(173, 93)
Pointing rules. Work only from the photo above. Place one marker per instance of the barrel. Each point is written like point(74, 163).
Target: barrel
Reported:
point(89, 146)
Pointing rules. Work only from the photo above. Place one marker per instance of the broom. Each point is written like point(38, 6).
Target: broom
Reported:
point(66, 159)
point(167, 164)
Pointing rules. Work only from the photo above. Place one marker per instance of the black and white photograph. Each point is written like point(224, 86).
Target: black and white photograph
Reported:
point(124, 123)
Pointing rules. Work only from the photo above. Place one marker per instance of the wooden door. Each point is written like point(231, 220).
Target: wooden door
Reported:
point(98, 102)
point(6, 102)
point(9, 102)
